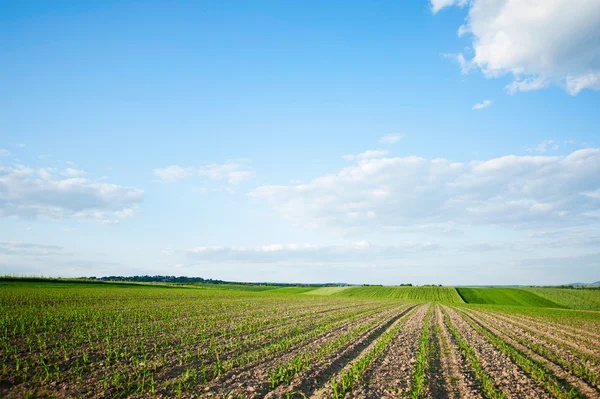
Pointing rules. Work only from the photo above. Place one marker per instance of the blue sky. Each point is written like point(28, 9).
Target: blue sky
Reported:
point(378, 142)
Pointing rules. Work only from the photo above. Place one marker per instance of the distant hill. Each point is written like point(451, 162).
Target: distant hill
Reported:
point(595, 284)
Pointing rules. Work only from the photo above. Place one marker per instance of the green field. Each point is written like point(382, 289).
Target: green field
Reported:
point(327, 290)
point(504, 296)
point(99, 340)
point(570, 298)
point(425, 293)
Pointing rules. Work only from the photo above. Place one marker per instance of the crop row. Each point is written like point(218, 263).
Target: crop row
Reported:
point(173, 344)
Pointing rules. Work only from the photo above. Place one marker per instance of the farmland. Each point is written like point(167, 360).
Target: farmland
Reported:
point(132, 341)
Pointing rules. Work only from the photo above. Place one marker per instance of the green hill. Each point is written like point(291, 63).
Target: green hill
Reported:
point(430, 294)
point(570, 298)
point(505, 296)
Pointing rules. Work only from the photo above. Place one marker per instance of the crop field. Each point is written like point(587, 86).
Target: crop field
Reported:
point(136, 341)
point(569, 298)
point(442, 294)
point(505, 296)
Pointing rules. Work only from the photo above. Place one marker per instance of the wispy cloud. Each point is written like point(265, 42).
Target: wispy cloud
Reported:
point(437, 5)
point(482, 105)
point(390, 138)
point(4, 153)
point(465, 65)
point(370, 154)
point(232, 171)
point(28, 249)
point(357, 251)
point(545, 146)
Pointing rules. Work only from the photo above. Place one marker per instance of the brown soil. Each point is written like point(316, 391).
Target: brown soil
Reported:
point(253, 381)
point(553, 334)
point(459, 381)
point(390, 375)
point(510, 335)
point(313, 383)
point(509, 378)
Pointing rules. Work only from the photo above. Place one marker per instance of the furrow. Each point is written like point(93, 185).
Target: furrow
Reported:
point(524, 344)
point(457, 377)
point(506, 375)
point(254, 381)
point(390, 372)
point(312, 381)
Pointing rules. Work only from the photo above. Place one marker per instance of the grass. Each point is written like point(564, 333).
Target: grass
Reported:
point(570, 298)
point(504, 296)
point(420, 294)
point(327, 290)
point(291, 290)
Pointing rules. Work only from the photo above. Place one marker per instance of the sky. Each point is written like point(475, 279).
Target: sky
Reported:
point(384, 142)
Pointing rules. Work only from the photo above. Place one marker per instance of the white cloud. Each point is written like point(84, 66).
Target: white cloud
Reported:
point(358, 251)
point(71, 172)
point(233, 172)
point(545, 146)
point(20, 145)
point(465, 65)
point(527, 84)
point(173, 173)
point(481, 105)
point(437, 5)
point(536, 42)
point(4, 153)
point(413, 192)
point(29, 194)
point(390, 138)
point(370, 154)
point(28, 249)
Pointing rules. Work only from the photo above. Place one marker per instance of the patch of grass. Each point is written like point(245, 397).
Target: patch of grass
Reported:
point(419, 294)
point(570, 298)
point(327, 290)
point(292, 290)
point(505, 296)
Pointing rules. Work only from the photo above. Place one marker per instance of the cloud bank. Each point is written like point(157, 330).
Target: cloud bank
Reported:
point(361, 251)
point(46, 193)
point(517, 192)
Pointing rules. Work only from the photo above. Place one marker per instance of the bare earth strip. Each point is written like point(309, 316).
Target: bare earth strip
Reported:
point(390, 375)
point(511, 335)
point(508, 377)
point(459, 381)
